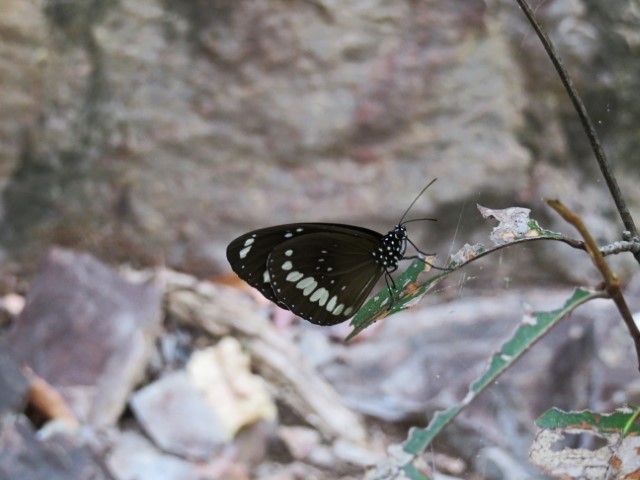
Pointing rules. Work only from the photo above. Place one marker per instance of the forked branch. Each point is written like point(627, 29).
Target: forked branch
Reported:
point(611, 281)
point(587, 124)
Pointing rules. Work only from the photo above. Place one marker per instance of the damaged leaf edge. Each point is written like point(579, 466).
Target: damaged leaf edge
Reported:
point(510, 351)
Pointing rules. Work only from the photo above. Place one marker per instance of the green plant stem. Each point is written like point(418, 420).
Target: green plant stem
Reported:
point(630, 422)
point(587, 124)
point(612, 283)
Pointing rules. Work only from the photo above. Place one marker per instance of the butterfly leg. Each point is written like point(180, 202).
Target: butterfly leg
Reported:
point(417, 257)
point(418, 250)
point(391, 287)
point(435, 267)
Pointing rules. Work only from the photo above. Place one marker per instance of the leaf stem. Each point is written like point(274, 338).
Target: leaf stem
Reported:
point(587, 124)
point(611, 280)
point(630, 422)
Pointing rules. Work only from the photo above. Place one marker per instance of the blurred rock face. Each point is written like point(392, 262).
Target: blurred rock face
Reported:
point(88, 332)
point(156, 132)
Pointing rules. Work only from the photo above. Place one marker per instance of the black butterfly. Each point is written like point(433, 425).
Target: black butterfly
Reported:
point(322, 272)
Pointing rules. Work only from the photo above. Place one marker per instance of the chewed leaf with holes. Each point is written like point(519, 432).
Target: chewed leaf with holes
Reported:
point(533, 326)
point(466, 254)
point(515, 224)
point(324, 272)
point(613, 438)
point(409, 290)
point(515, 227)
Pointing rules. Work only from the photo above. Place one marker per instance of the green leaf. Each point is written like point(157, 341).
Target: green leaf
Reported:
point(617, 421)
point(514, 227)
point(413, 473)
point(614, 455)
point(408, 292)
point(532, 327)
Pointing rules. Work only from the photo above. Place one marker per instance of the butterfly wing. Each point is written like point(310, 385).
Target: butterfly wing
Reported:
point(325, 277)
point(248, 254)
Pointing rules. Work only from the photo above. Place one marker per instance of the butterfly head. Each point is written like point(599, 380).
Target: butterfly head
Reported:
point(400, 232)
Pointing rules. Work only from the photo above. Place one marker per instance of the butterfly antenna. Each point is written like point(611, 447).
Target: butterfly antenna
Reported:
point(420, 220)
point(415, 200)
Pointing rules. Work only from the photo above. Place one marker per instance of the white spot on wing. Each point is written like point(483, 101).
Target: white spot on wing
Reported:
point(265, 276)
point(305, 282)
point(288, 235)
point(338, 309)
point(288, 253)
point(249, 241)
point(332, 303)
point(287, 265)
point(294, 276)
point(321, 296)
point(245, 251)
point(348, 311)
point(307, 291)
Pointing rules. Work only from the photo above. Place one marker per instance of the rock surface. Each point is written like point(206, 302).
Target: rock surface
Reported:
point(88, 332)
point(160, 131)
point(25, 456)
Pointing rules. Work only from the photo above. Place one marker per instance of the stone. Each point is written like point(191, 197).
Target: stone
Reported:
point(87, 332)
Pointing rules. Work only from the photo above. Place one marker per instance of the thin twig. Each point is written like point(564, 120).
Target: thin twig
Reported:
point(612, 283)
point(620, 247)
point(587, 124)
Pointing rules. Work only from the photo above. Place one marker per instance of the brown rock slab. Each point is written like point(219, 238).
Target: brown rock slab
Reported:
point(88, 332)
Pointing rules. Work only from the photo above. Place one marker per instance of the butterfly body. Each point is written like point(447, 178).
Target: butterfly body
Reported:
point(322, 272)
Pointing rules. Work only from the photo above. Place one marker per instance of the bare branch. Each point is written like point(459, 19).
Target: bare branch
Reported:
point(611, 280)
point(587, 124)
